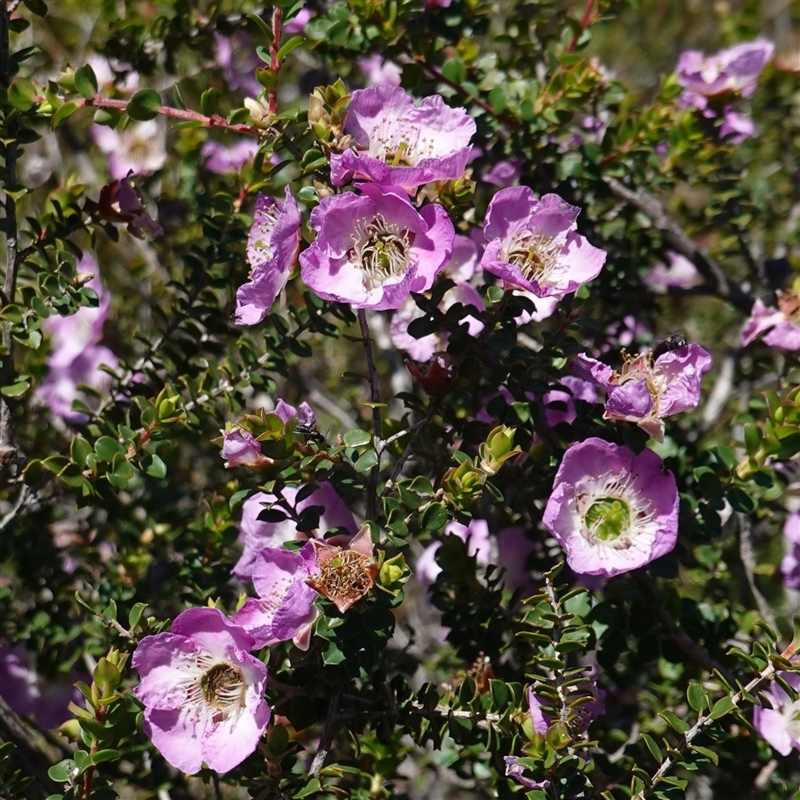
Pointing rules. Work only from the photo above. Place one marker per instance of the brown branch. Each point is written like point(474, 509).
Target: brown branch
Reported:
point(214, 121)
point(375, 397)
point(748, 559)
point(675, 238)
point(274, 63)
point(328, 733)
point(586, 20)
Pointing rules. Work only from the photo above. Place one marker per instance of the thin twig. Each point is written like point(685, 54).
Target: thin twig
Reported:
point(328, 732)
point(25, 492)
point(375, 397)
point(675, 238)
point(585, 22)
point(274, 63)
point(748, 559)
point(406, 454)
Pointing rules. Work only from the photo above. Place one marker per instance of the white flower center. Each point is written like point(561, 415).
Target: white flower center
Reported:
point(612, 510)
point(535, 255)
point(792, 714)
point(399, 145)
point(214, 690)
point(266, 224)
point(380, 250)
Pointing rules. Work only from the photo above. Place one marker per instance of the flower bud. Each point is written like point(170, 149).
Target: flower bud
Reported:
point(463, 483)
point(497, 449)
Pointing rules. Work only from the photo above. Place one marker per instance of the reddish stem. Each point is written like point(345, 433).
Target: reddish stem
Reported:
point(273, 59)
point(214, 121)
point(587, 18)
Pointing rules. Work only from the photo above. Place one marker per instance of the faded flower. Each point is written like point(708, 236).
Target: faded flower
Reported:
point(646, 389)
point(781, 326)
point(780, 725)
point(612, 510)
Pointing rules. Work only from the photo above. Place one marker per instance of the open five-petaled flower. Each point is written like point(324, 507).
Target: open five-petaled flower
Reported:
point(203, 692)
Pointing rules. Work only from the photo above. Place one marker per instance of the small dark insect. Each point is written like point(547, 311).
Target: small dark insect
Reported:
point(310, 432)
point(674, 341)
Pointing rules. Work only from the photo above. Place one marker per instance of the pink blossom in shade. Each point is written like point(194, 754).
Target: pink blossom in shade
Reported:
point(440, 3)
point(257, 534)
point(272, 248)
point(111, 76)
point(735, 69)
point(226, 159)
point(396, 142)
point(202, 691)
point(298, 23)
point(560, 403)
point(237, 57)
point(373, 249)
point(504, 173)
point(241, 449)
point(465, 259)
point(611, 510)
point(378, 70)
point(61, 385)
point(424, 348)
point(479, 544)
point(121, 201)
point(513, 548)
point(779, 328)
point(545, 307)
point(28, 693)
point(304, 413)
point(780, 725)
point(515, 769)
point(140, 148)
point(735, 127)
point(284, 608)
point(679, 272)
point(790, 564)
point(647, 390)
point(533, 244)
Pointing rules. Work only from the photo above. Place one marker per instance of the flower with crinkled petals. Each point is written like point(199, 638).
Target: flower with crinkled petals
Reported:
point(304, 413)
point(378, 71)
point(396, 142)
point(272, 252)
point(646, 390)
point(679, 272)
point(228, 158)
point(344, 575)
point(780, 725)
point(505, 173)
point(203, 692)
point(783, 324)
point(533, 244)
point(479, 543)
point(736, 128)
point(257, 534)
point(515, 769)
point(241, 449)
point(735, 69)
point(612, 510)
point(284, 608)
point(140, 148)
point(790, 564)
point(373, 249)
point(559, 403)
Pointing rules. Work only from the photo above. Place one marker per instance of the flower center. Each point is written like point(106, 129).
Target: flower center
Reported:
point(534, 254)
point(398, 144)
point(608, 518)
point(347, 576)
point(612, 509)
point(381, 250)
point(266, 224)
point(222, 686)
point(793, 720)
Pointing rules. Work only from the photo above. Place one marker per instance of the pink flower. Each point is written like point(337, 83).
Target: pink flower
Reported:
point(790, 564)
point(303, 413)
point(560, 403)
point(378, 70)
point(285, 606)
point(424, 348)
point(464, 261)
point(783, 324)
point(225, 159)
point(504, 173)
point(298, 23)
point(140, 148)
point(611, 510)
point(396, 142)
point(241, 449)
point(780, 725)
point(647, 390)
point(680, 272)
point(373, 249)
point(736, 127)
point(257, 534)
point(272, 253)
point(533, 244)
point(479, 544)
point(121, 201)
point(202, 691)
point(516, 769)
point(733, 70)
point(237, 57)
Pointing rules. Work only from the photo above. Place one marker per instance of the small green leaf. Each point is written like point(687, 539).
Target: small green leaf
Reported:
point(21, 94)
point(85, 81)
point(722, 708)
point(435, 517)
point(209, 102)
point(63, 771)
point(289, 47)
point(157, 468)
point(80, 450)
point(356, 438)
point(136, 614)
point(696, 695)
point(675, 722)
point(106, 448)
point(63, 113)
point(16, 389)
point(144, 105)
point(105, 755)
point(654, 749)
point(367, 461)
point(709, 754)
